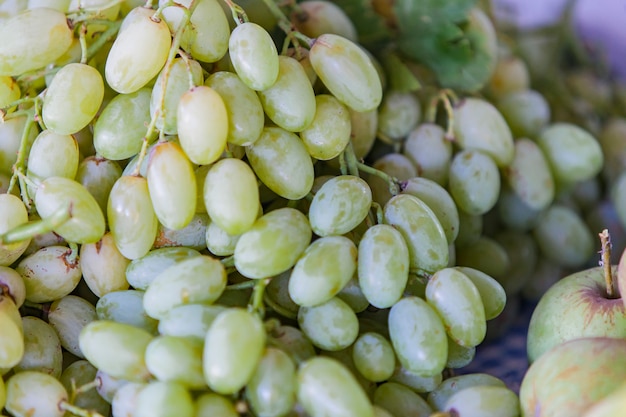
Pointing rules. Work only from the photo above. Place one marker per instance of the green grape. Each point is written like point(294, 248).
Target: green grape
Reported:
point(514, 213)
point(200, 173)
point(395, 165)
point(418, 336)
point(572, 152)
point(527, 112)
point(383, 265)
point(199, 279)
point(68, 316)
point(474, 181)
point(424, 235)
point(563, 237)
point(317, 17)
point(290, 102)
point(281, 161)
point(13, 214)
point(12, 345)
point(398, 114)
point(293, 342)
point(192, 236)
point(9, 91)
point(42, 348)
point(330, 326)
point(218, 241)
point(50, 273)
point(459, 356)
point(374, 357)
point(164, 399)
point(439, 201)
point(33, 39)
point(329, 132)
point(202, 124)
point(48, 149)
point(418, 383)
point(172, 185)
point(107, 385)
point(529, 175)
point(457, 300)
point(340, 205)
point(3, 394)
point(352, 295)
point(211, 405)
point(277, 295)
point(11, 134)
point(181, 74)
point(254, 56)
point(357, 84)
point(326, 387)
point(273, 244)
point(231, 195)
point(72, 99)
point(143, 270)
point(438, 397)
point(189, 320)
point(363, 131)
point(176, 359)
point(86, 224)
point(132, 220)
point(322, 270)
point(381, 412)
point(12, 285)
point(103, 266)
point(612, 140)
point(484, 401)
point(98, 175)
point(138, 52)
point(243, 107)
point(119, 130)
point(491, 136)
point(116, 348)
point(209, 38)
point(35, 394)
point(124, 402)
point(486, 255)
point(125, 307)
point(491, 292)
point(522, 252)
point(232, 350)
point(430, 151)
point(272, 388)
point(400, 400)
point(509, 75)
point(80, 373)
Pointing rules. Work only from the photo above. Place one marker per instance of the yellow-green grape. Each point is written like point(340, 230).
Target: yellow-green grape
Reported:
point(11, 133)
point(457, 300)
point(424, 235)
point(510, 75)
point(340, 205)
point(68, 316)
point(86, 224)
point(352, 295)
point(72, 99)
point(527, 112)
point(33, 39)
point(52, 155)
point(176, 359)
point(180, 74)
point(323, 270)
point(398, 114)
point(163, 399)
point(116, 348)
point(418, 383)
point(172, 185)
point(474, 181)
point(484, 401)
point(374, 357)
point(420, 349)
point(329, 132)
point(400, 400)
point(119, 130)
point(397, 166)
point(563, 237)
point(132, 220)
point(293, 342)
point(522, 251)
point(9, 91)
point(210, 405)
point(364, 128)
point(243, 107)
point(438, 397)
point(80, 373)
point(12, 341)
point(14, 213)
point(459, 356)
point(231, 195)
point(281, 161)
point(35, 394)
point(13, 285)
point(49, 274)
point(254, 56)
point(491, 136)
point(200, 279)
point(193, 235)
point(124, 400)
point(326, 387)
point(272, 389)
point(218, 241)
point(439, 200)
point(139, 51)
point(383, 265)
point(315, 18)
point(330, 326)
point(491, 291)
point(356, 84)
point(125, 306)
point(42, 349)
point(98, 175)
point(486, 255)
point(232, 350)
point(290, 101)
point(189, 320)
point(143, 270)
point(572, 152)
point(103, 266)
point(202, 124)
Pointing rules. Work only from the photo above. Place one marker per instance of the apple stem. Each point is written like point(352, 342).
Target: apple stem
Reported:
point(605, 261)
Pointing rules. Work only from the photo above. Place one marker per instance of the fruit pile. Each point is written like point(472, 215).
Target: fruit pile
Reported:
point(314, 208)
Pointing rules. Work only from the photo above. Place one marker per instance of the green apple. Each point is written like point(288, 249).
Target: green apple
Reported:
point(571, 377)
point(576, 306)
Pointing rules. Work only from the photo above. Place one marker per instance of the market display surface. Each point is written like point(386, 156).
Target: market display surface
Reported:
point(342, 208)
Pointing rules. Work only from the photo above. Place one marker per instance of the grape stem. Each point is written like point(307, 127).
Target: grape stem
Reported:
point(241, 285)
point(82, 38)
point(239, 14)
point(447, 98)
point(256, 300)
point(279, 309)
point(394, 183)
point(31, 229)
point(227, 262)
point(605, 262)
point(20, 162)
point(380, 217)
point(286, 25)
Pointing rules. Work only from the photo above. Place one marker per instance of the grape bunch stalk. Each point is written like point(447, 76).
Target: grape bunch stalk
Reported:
point(316, 208)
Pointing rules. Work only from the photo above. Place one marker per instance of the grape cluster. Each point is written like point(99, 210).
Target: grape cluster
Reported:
point(195, 222)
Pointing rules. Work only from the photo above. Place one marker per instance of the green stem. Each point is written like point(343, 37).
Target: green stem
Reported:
point(28, 230)
point(241, 285)
point(228, 262)
point(278, 308)
point(82, 38)
point(351, 160)
point(446, 97)
point(286, 26)
point(378, 209)
point(107, 35)
point(394, 184)
point(256, 300)
point(239, 14)
point(22, 152)
point(23, 100)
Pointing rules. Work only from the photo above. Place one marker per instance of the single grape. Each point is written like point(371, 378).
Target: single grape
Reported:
point(12, 342)
point(35, 394)
point(398, 114)
point(438, 397)
point(474, 181)
point(189, 320)
point(125, 307)
point(330, 326)
point(400, 400)
point(459, 356)
point(510, 75)
point(52, 155)
point(68, 316)
point(292, 341)
point(143, 270)
point(218, 241)
point(14, 214)
point(176, 359)
point(418, 383)
point(363, 130)
point(98, 175)
point(484, 401)
point(103, 266)
point(315, 18)
point(374, 357)
point(397, 166)
point(527, 112)
point(42, 348)
point(491, 291)
point(254, 56)
point(330, 131)
point(164, 399)
point(12, 285)
point(486, 255)
point(210, 405)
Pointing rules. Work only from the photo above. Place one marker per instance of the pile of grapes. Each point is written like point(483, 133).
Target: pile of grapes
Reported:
point(268, 209)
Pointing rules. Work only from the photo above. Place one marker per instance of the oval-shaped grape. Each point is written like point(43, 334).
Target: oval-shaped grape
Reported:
point(400, 400)
point(103, 266)
point(526, 112)
point(491, 291)
point(272, 388)
point(189, 320)
point(125, 307)
point(35, 394)
point(374, 357)
point(254, 56)
point(474, 181)
point(42, 348)
point(330, 326)
point(68, 316)
point(438, 397)
point(142, 271)
point(484, 401)
point(398, 114)
point(329, 132)
point(14, 214)
point(98, 175)
point(176, 359)
point(52, 155)
point(211, 404)
point(430, 151)
point(163, 399)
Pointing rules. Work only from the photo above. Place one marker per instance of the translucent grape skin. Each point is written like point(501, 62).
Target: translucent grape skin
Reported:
point(126, 307)
point(35, 394)
point(14, 214)
point(330, 131)
point(12, 342)
point(400, 400)
point(487, 401)
point(162, 399)
point(48, 149)
point(254, 56)
point(474, 181)
point(330, 326)
point(103, 266)
point(374, 357)
point(176, 359)
point(68, 316)
point(438, 397)
point(142, 271)
point(42, 349)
